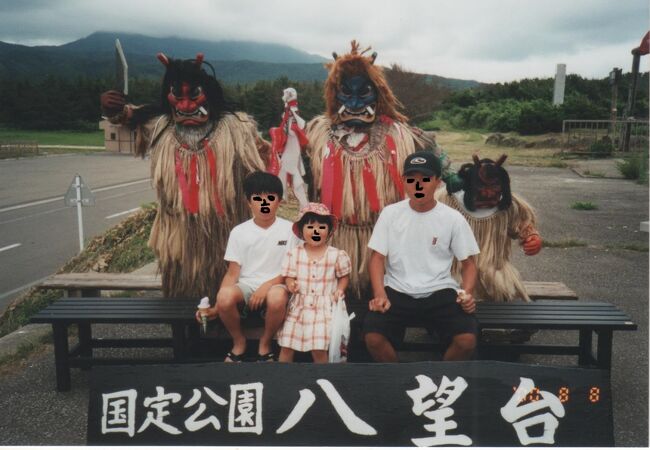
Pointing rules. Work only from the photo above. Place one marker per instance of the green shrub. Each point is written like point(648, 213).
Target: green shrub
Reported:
point(635, 166)
point(602, 148)
point(584, 206)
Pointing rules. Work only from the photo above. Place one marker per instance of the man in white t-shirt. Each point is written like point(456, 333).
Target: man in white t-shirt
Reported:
point(254, 253)
point(413, 245)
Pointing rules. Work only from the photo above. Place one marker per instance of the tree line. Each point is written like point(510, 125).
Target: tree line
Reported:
point(526, 106)
point(56, 103)
point(53, 102)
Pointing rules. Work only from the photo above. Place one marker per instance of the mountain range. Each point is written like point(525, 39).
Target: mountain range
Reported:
point(234, 61)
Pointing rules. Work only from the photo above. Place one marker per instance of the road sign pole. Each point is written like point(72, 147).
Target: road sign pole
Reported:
point(80, 222)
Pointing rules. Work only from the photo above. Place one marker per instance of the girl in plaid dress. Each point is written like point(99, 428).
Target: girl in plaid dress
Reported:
point(317, 275)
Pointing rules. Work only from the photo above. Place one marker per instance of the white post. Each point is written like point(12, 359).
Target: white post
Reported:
point(558, 88)
point(77, 181)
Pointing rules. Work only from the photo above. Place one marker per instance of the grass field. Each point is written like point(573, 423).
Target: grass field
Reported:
point(53, 137)
point(461, 144)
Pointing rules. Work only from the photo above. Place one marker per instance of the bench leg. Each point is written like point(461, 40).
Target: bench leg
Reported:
point(194, 339)
point(85, 345)
point(585, 357)
point(604, 352)
point(178, 340)
point(61, 355)
point(86, 292)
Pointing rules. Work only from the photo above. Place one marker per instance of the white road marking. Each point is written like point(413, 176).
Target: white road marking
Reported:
point(55, 199)
point(31, 216)
point(123, 213)
point(9, 247)
point(130, 183)
point(22, 288)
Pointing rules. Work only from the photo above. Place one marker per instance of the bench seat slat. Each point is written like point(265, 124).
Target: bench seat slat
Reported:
point(559, 317)
point(129, 281)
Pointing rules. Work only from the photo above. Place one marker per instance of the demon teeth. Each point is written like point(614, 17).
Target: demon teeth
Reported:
point(370, 110)
point(203, 111)
point(341, 109)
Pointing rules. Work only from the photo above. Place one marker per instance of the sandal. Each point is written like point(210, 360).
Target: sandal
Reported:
point(233, 358)
point(267, 357)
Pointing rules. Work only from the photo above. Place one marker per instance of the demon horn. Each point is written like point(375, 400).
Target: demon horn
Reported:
point(373, 57)
point(199, 59)
point(476, 160)
point(335, 56)
point(501, 159)
point(163, 59)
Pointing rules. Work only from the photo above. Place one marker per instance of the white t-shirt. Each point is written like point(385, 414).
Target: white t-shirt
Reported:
point(260, 251)
point(420, 247)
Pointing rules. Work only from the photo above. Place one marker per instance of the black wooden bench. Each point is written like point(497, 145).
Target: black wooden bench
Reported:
point(586, 317)
point(84, 312)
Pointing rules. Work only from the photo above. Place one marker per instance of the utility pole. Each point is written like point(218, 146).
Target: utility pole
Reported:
point(614, 79)
point(642, 49)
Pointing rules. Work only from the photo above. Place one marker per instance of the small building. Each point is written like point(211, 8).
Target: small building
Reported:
point(118, 138)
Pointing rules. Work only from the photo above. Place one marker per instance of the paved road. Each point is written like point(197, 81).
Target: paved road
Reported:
point(33, 413)
point(38, 233)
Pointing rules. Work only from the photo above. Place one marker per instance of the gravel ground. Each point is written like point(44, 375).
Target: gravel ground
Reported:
point(33, 413)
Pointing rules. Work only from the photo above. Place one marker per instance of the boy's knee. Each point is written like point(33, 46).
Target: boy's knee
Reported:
point(374, 341)
point(228, 298)
point(465, 342)
point(276, 298)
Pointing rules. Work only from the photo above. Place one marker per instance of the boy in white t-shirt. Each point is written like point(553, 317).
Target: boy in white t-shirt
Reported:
point(413, 245)
point(254, 253)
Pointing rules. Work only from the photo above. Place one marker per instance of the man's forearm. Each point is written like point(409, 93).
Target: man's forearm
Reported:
point(229, 280)
point(469, 274)
point(376, 272)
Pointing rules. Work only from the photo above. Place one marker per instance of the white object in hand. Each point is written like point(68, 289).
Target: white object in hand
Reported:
point(203, 306)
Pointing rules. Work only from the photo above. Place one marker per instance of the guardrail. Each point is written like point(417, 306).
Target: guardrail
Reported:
point(9, 149)
point(629, 135)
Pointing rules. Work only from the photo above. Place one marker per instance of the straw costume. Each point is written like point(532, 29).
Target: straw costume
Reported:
point(497, 217)
point(201, 151)
point(357, 149)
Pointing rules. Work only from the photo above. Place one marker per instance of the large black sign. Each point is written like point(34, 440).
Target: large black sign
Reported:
point(417, 404)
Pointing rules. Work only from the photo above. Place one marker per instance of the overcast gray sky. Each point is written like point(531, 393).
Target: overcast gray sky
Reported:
point(485, 40)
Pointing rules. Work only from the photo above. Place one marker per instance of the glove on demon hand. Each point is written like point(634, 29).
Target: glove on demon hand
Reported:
point(112, 103)
point(532, 244)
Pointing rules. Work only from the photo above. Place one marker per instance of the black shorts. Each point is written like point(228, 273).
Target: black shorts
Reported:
point(439, 312)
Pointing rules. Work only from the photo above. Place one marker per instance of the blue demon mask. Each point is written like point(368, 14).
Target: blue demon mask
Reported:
point(358, 97)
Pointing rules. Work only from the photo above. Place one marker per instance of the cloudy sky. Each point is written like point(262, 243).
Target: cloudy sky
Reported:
point(485, 40)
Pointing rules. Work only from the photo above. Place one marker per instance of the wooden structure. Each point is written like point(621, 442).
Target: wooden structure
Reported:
point(90, 284)
point(118, 138)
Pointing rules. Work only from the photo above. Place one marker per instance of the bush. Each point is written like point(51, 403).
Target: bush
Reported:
point(584, 206)
point(602, 148)
point(635, 166)
point(538, 116)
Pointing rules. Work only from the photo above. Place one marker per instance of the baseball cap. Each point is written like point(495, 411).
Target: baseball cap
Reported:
point(424, 162)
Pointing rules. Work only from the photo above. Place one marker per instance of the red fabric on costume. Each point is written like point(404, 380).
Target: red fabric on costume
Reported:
point(278, 140)
point(212, 162)
point(300, 134)
point(392, 165)
point(189, 188)
point(327, 177)
point(337, 190)
point(370, 185)
point(353, 188)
